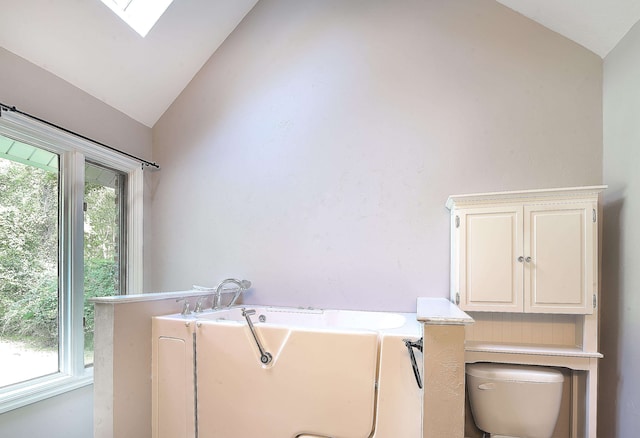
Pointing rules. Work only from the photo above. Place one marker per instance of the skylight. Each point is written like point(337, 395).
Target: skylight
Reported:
point(141, 15)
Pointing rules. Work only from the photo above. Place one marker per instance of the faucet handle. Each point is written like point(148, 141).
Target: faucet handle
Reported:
point(198, 307)
point(185, 306)
point(249, 312)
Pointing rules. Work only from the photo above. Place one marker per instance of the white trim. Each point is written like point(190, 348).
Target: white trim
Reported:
point(529, 195)
point(32, 132)
point(31, 391)
point(71, 264)
point(135, 231)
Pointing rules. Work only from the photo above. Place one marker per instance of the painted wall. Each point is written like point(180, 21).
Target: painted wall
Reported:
point(619, 402)
point(69, 415)
point(42, 94)
point(314, 152)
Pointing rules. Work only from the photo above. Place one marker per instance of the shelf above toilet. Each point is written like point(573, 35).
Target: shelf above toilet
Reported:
point(542, 350)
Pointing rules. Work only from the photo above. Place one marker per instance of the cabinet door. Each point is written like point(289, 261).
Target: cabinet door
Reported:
point(559, 276)
point(490, 242)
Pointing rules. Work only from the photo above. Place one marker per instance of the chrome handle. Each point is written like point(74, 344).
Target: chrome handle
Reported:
point(521, 259)
point(528, 260)
point(185, 306)
point(265, 356)
point(198, 308)
point(414, 364)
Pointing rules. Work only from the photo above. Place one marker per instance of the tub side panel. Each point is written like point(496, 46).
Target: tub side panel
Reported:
point(173, 399)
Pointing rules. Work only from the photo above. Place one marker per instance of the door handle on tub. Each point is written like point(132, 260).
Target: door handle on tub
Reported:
point(265, 356)
point(414, 364)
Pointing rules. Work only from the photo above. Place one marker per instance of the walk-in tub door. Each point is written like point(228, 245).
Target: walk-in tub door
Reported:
point(318, 383)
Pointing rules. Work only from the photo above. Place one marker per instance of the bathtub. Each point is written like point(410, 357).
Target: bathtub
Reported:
point(330, 374)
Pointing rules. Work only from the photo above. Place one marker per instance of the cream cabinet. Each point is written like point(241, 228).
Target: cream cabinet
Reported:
point(530, 251)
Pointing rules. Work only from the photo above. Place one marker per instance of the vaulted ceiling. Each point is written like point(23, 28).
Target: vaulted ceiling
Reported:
point(597, 25)
point(87, 45)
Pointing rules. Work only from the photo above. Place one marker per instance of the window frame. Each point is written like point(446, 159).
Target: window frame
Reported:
point(73, 152)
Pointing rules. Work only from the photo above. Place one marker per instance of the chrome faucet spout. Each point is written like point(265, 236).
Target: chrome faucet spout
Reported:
point(242, 285)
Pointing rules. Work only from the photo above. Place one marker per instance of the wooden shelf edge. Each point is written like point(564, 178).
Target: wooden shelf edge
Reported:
point(539, 350)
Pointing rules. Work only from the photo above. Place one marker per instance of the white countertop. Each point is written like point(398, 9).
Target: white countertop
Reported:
point(133, 298)
point(441, 311)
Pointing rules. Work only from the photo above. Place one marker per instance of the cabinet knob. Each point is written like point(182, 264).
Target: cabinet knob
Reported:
point(528, 259)
point(521, 259)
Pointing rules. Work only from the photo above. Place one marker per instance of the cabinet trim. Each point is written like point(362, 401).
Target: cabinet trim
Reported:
point(529, 196)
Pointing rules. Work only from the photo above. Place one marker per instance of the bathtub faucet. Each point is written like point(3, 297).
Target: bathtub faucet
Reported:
point(242, 285)
point(185, 306)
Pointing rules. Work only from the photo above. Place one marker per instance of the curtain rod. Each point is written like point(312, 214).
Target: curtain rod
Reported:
point(144, 162)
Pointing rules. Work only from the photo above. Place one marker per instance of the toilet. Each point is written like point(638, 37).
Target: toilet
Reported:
point(514, 401)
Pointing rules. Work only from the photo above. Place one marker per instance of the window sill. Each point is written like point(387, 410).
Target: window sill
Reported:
point(32, 391)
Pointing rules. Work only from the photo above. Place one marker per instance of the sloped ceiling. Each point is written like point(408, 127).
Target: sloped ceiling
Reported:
point(84, 43)
point(597, 25)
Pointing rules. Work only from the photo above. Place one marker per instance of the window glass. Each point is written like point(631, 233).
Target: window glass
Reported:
point(104, 241)
point(29, 282)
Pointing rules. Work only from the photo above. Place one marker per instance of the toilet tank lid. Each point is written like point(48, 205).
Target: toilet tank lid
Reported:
point(514, 373)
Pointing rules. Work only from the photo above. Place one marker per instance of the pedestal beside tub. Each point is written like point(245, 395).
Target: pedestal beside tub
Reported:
point(332, 373)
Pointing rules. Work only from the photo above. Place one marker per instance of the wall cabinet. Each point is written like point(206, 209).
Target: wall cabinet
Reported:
point(530, 251)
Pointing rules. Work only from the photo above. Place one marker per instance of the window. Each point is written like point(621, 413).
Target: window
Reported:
point(104, 241)
point(140, 15)
point(70, 229)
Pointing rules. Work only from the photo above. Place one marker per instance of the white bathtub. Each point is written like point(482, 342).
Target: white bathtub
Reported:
point(333, 373)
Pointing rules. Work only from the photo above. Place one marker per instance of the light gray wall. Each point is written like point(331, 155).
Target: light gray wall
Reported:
point(33, 90)
point(314, 152)
point(69, 415)
point(619, 380)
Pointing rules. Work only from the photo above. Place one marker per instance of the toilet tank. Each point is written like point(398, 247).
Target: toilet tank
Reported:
point(515, 400)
